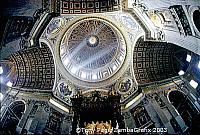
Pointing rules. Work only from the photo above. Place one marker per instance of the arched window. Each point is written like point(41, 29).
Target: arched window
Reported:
point(12, 117)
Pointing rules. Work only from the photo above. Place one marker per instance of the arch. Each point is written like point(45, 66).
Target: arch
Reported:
point(156, 61)
point(176, 97)
point(184, 107)
point(12, 117)
point(46, 43)
point(39, 71)
point(196, 20)
point(17, 106)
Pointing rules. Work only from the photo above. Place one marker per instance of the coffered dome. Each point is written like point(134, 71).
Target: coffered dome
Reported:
point(92, 49)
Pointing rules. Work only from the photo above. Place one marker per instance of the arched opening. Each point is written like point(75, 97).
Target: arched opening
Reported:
point(38, 66)
point(185, 108)
point(196, 19)
point(157, 61)
point(12, 117)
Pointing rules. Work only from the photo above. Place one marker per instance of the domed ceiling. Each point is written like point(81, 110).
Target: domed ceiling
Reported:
point(92, 53)
point(92, 49)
